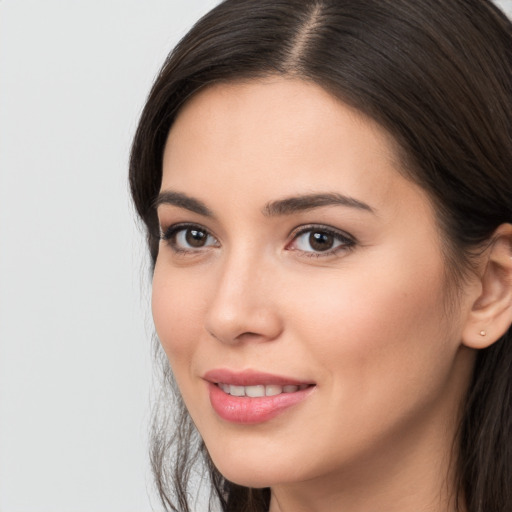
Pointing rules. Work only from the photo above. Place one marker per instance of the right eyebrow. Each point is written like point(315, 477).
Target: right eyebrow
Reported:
point(182, 201)
point(293, 204)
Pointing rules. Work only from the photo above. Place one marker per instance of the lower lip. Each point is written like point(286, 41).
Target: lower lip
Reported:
point(248, 410)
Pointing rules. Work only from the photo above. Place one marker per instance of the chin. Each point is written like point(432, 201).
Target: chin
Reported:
point(257, 470)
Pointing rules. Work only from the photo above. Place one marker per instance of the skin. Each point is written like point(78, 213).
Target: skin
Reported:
point(369, 323)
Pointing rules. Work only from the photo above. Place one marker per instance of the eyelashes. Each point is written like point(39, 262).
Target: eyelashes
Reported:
point(318, 240)
point(184, 238)
point(314, 240)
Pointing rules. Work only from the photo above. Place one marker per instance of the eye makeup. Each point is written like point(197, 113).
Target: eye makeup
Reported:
point(313, 240)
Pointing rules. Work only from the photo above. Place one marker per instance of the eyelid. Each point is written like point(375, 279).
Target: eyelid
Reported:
point(167, 234)
point(347, 241)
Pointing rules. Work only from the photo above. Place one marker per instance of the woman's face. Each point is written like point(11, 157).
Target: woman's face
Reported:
point(299, 268)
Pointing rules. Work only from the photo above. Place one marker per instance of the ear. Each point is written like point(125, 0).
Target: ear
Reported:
point(491, 313)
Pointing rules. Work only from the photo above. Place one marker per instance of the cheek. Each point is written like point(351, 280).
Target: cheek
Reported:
point(177, 315)
point(377, 330)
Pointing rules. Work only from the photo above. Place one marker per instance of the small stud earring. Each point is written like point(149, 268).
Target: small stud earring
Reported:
point(482, 333)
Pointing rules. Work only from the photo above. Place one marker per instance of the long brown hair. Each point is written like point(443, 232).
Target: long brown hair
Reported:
point(437, 74)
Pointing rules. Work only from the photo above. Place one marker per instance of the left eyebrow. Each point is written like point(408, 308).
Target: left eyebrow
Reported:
point(294, 204)
point(182, 201)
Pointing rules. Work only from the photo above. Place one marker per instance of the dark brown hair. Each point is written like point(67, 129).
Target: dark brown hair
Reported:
point(437, 75)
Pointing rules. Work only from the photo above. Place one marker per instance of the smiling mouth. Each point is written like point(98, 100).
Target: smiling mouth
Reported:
point(260, 390)
point(253, 402)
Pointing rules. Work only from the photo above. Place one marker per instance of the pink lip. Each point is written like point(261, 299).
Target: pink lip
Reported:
point(247, 410)
point(250, 378)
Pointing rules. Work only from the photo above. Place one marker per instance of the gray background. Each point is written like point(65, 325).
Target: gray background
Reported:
point(75, 365)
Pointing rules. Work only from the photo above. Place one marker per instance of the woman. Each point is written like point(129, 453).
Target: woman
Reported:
point(326, 188)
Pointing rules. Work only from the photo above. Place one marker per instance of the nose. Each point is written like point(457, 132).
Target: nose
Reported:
point(244, 305)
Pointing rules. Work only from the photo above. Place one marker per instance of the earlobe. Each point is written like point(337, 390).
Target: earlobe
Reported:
point(491, 313)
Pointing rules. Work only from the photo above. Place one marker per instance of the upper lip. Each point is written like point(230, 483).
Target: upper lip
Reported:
point(250, 378)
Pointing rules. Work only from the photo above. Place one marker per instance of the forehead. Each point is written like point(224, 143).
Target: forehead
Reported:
point(293, 107)
point(278, 136)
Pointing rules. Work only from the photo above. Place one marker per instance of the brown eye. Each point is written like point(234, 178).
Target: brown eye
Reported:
point(183, 238)
point(319, 241)
point(195, 237)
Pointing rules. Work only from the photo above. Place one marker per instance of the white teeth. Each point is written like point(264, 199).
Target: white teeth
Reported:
point(237, 390)
point(260, 390)
point(255, 391)
point(272, 390)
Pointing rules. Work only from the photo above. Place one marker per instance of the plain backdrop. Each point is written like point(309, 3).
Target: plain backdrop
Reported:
point(75, 353)
point(75, 349)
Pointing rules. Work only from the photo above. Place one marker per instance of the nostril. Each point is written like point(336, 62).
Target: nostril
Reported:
point(248, 335)
point(244, 336)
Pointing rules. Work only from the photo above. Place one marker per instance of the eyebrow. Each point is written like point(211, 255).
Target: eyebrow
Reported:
point(182, 201)
point(295, 204)
point(286, 206)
